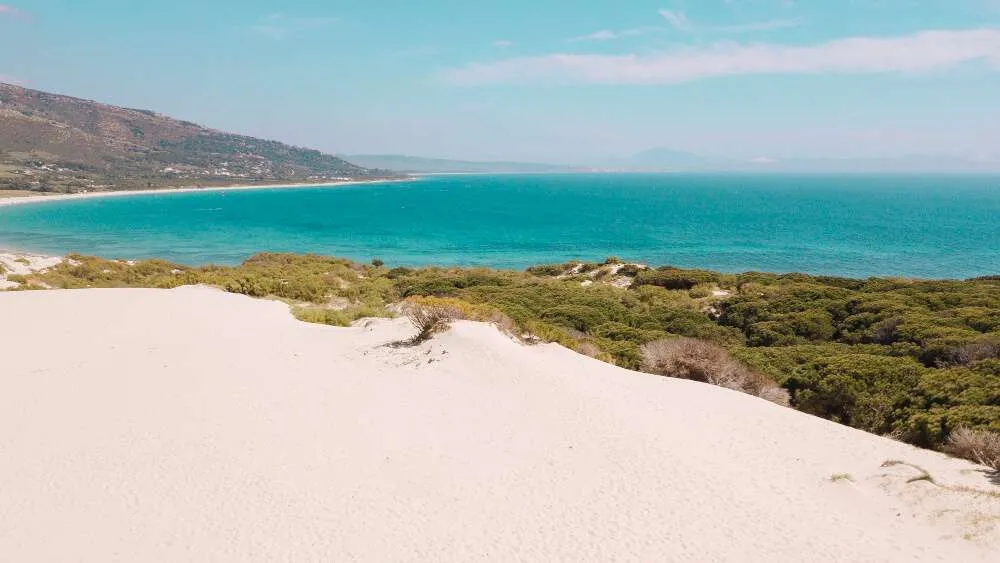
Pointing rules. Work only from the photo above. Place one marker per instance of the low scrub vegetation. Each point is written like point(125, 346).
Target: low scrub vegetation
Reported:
point(980, 446)
point(914, 359)
point(698, 360)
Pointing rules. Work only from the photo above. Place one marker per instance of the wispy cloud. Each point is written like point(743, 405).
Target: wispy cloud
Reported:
point(923, 51)
point(503, 43)
point(602, 35)
point(770, 25)
point(677, 20)
point(607, 34)
point(6, 10)
point(280, 26)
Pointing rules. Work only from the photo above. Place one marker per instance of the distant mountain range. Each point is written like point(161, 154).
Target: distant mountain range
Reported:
point(52, 142)
point(666, 160)
point(419, 165)
point(659, 160)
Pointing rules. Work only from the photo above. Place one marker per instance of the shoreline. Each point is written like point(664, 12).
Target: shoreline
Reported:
point(11, 201)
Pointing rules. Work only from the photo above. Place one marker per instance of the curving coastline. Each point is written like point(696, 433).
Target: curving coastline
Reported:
point(9, 201)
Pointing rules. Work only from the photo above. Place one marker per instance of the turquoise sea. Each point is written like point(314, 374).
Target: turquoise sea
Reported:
point(919, 226)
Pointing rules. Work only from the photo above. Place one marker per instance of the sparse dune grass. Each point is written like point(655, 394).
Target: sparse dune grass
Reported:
point(337, 317)
point(78, 272)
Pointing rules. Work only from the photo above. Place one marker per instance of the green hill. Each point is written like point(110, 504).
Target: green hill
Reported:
point(50, 142)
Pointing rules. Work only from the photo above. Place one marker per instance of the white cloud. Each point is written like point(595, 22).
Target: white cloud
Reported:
point(677, 20)
point(602, 35)
point(607, 34)
point(680, 22)
point(503, 43)
point(923, 51)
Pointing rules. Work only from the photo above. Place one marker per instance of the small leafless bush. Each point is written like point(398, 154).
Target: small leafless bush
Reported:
point(588, 348)
point(980, 446)
point(698, 360)
point(885, 332)
point(776, 394)
point(428, 320)
point(976, 351)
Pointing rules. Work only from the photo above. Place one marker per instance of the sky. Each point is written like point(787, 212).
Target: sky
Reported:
point(563, 81)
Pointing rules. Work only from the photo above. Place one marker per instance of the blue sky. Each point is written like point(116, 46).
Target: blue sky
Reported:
point(543, 80)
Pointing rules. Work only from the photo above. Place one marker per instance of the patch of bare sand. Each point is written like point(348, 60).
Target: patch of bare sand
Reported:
point(22, 264)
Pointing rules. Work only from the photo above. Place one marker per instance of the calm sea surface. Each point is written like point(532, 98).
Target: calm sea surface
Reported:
point(921, 226)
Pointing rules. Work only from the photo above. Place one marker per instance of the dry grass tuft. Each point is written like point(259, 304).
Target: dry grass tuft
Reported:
point(980, 446)
point(698, 360)
point(923, 476)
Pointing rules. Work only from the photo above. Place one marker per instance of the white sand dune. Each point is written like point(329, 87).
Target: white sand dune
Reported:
point(193, 425)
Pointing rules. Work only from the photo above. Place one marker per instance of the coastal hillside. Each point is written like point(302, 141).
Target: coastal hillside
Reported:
point(215, 427)
point(55, 143)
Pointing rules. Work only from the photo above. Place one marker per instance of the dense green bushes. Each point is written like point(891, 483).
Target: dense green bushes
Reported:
point(917, 359)
point(673, 278)
point(861, 390)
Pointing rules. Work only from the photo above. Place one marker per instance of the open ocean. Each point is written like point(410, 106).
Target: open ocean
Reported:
point(853, 225)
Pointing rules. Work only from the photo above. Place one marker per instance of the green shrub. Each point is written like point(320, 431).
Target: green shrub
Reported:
point(629, 270)
point(861, 390)
point(672, 278)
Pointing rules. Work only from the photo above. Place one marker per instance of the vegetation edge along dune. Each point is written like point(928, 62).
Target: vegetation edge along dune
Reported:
point(915, 360)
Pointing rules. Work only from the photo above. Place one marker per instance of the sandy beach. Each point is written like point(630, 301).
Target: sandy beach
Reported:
point(195, 425)
point(7, 201)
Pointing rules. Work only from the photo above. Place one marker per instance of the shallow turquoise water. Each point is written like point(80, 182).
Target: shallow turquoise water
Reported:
point(922, 226)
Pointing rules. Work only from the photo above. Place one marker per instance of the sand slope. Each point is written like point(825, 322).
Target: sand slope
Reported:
point(193, 425)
